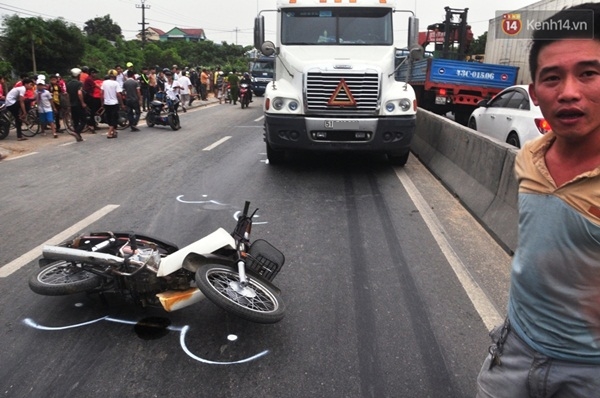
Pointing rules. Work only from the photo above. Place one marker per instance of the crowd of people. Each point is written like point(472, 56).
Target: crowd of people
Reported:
point(88, 93)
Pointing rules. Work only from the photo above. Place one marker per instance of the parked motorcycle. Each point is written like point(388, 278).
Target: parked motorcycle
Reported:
point(5, 121)
point(164, 114)
point(244, 95)
point(231, 271)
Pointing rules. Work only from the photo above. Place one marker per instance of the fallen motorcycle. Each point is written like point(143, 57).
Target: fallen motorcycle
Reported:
point(164, 114)
point(231, 271)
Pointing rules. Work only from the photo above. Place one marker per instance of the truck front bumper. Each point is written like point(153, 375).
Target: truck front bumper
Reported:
point(391, 135)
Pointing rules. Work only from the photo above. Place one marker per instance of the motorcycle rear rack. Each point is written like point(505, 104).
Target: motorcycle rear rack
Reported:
point(264, 260)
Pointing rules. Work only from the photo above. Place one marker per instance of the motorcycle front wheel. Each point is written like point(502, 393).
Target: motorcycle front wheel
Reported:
point(256, 302)
point(61, 278)
point(150, 119)
point(174, 121)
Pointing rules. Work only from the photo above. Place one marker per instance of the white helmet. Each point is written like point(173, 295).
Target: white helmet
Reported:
point(75, 72)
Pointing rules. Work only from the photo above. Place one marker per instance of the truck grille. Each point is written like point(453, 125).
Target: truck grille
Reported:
point(321, 86)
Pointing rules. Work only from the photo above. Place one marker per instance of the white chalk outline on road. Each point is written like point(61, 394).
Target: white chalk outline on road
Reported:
point(488, 313)
point(216, 144)
point(34, 253)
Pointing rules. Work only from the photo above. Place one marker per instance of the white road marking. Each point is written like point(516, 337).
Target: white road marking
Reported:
point(23, 156)
point(216, 144)
point(488, 313)
point(34, 253)
point(260, 118)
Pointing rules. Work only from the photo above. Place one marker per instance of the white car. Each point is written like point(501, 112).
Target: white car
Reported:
point(510, 116)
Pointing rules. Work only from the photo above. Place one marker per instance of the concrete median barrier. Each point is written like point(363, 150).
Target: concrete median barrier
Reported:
point(477, 169)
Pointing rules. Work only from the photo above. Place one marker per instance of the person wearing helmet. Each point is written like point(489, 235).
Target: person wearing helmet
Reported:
point(85, 72)
point(246, 79)
point(111, 101)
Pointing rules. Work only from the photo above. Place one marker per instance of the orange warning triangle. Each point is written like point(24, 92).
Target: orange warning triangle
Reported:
point(342, 96)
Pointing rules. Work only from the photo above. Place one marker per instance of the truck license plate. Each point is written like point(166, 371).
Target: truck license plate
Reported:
point(342, 124)
point(440, 100)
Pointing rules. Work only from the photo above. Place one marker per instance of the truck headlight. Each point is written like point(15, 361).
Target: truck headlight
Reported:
point(390, 107)
point(278, 103)
point(405, 104)
point(293, 105)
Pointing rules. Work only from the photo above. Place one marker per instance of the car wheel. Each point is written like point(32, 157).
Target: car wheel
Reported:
point(472, 124)
point(513, 139)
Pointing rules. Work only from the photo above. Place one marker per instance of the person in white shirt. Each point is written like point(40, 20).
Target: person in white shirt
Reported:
point(15, 103)
point(111, 102)
point(185, 88)
point(46, 107)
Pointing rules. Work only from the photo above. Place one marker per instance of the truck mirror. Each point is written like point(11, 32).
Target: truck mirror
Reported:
point(267, 48)
point(416, 52)
point(259, 31)
point(413, 31)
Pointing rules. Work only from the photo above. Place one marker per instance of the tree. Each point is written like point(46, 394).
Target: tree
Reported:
point(478, 45)
point(103, 27)
point(32, 43)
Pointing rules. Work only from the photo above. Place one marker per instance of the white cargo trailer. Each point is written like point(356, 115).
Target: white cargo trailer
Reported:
point(505, 50)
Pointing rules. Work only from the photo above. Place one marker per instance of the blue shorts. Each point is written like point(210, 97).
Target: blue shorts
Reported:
point(46, 117)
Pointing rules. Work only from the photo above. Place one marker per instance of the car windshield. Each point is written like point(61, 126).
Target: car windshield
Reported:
point(337, 26)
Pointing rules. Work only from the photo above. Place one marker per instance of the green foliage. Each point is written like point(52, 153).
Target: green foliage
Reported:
point(478, 45)
point(57, 46)
point(29, 42)
point(103, 27)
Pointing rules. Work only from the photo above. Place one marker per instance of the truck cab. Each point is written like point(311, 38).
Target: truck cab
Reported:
point(262, 71)
point(334, 87)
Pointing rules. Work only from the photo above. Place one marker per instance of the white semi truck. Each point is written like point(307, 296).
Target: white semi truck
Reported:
point(334, 87)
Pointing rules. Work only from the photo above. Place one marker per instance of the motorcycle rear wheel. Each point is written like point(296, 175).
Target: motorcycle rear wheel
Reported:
point(257, 302)
point(62, 278)
point(123, 121)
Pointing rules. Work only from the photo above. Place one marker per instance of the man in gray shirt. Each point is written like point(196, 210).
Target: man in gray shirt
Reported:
point(133, 99)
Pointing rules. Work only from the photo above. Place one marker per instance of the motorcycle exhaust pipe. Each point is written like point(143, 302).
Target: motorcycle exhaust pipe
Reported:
point(80, 256)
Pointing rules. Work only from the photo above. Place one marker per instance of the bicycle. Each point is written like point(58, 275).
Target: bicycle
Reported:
point(31, 123)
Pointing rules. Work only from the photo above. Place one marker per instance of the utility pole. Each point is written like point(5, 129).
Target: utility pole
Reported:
point(143, 6)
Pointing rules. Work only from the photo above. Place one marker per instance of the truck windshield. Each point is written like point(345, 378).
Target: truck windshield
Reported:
point(263, 66)
point(337, 26)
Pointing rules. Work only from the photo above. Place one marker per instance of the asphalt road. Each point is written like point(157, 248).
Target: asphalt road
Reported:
point(384, 278)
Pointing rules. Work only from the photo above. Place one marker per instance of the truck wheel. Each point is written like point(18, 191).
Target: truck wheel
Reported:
point(398, 159)
point(275, 157)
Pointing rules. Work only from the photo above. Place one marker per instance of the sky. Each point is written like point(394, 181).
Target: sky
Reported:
point(230, 20)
